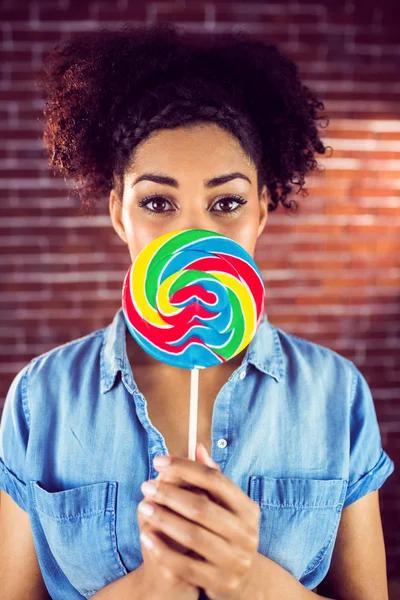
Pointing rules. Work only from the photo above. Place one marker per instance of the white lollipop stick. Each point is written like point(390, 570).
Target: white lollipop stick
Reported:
point(194, 397)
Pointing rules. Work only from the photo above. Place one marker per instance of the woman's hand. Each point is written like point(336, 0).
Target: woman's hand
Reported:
point(163, 582)
point(206, 513)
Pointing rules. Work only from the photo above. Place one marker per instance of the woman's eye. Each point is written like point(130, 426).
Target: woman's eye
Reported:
point(159, 205)
point(226, 204)
point(155, 204)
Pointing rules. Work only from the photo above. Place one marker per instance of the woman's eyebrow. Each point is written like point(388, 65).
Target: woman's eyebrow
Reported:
point(210, 183)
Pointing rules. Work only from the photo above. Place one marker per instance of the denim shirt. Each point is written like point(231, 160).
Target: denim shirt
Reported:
point(294, 427)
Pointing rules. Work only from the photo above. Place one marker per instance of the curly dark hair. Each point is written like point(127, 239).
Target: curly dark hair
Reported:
point(107, 90)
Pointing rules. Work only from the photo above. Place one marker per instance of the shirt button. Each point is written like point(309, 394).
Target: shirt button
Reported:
point(222, 443)
point(242, 374)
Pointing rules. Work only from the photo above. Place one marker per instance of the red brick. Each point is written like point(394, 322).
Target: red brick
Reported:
point(10, 15)
point(15, 56)
point(35, 35)
point(77, 12)
point(384, 37)
point(26, 75)
point(135, 12)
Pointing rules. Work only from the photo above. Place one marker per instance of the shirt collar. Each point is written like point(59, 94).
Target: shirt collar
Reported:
point(264, 352)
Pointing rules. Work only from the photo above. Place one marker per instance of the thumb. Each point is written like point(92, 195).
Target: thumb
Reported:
point(203, 456)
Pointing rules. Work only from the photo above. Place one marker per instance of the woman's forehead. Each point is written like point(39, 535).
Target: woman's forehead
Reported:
point(181, 150)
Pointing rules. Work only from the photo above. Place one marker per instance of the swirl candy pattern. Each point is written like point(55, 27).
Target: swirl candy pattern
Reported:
point(193, 298)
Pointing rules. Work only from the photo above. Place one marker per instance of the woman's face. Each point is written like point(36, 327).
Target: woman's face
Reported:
point(189, 157)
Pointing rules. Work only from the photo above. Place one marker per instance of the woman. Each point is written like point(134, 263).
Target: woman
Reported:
point(180, 132)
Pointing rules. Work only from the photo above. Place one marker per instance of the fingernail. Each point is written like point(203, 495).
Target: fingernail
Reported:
point(145, 509)
point(148, 488)
point(147, 541)
point(204, 448)
point(161, 461)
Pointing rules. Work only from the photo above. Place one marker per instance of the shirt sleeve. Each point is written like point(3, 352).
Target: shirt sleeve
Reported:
point(14, 433)
point(370, 466)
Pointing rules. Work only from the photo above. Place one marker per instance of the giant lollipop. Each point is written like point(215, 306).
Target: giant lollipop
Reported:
point(193, 299)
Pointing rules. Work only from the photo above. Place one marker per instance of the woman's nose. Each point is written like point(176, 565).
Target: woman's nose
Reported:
point(196, 220)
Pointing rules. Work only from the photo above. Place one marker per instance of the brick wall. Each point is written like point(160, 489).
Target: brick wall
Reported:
point(332, 271)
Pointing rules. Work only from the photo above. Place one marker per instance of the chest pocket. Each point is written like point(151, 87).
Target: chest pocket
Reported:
point(299, 519)
point(80, 527)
